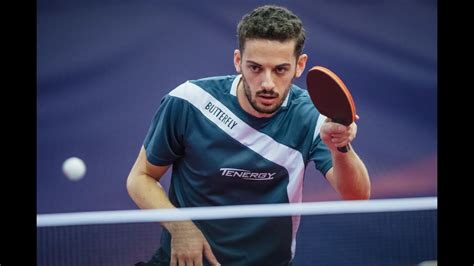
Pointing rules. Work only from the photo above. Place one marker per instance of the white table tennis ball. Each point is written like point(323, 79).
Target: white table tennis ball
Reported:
point(74, 168)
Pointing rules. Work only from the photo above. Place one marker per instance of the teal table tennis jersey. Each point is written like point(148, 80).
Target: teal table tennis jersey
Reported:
point(221, 155)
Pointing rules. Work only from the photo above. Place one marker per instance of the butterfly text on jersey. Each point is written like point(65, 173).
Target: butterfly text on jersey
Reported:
point(223, 117)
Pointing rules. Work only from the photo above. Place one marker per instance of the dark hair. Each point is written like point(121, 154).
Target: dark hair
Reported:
point(272, 23)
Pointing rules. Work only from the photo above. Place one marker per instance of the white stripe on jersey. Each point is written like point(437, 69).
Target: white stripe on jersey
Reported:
point(320, 122)
point(289, 158)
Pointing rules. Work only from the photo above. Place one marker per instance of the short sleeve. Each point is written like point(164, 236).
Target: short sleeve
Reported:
point(164, 140)
point(319, 152)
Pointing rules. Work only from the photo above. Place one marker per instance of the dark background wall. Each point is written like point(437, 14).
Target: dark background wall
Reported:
point(103, 66)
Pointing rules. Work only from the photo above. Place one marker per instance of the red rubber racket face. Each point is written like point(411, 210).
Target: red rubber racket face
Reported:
point(330, 95)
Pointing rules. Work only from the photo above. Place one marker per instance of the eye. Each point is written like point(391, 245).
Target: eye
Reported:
point(254, 68)
point(281, 70)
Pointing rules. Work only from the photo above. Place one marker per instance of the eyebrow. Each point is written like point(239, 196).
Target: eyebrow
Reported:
point(280, 65)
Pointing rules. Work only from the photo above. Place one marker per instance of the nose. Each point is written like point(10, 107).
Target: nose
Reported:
point(267, 82)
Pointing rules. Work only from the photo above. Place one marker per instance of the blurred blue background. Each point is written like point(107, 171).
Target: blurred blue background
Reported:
point(103, 67)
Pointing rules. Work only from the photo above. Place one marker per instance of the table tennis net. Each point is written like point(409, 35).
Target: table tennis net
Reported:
point(373, 232)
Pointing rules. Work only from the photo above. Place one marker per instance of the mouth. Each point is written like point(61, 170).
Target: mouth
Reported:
point(267, 99)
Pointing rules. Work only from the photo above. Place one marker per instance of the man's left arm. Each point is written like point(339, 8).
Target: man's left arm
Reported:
point(348, 176)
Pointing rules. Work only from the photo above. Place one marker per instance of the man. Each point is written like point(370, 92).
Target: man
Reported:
point(243, 139)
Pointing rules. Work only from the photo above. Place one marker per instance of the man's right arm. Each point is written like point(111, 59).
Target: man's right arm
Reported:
point(145, 190)
point(143, 184)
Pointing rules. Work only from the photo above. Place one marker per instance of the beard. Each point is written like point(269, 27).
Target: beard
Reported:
point(261, 108)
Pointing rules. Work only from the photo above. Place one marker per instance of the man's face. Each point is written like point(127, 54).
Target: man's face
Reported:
point(268, 69)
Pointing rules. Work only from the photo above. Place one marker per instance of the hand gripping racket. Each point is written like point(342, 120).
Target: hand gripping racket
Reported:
point(331, 97)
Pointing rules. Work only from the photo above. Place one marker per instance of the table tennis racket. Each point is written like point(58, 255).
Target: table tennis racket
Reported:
point(331, 97)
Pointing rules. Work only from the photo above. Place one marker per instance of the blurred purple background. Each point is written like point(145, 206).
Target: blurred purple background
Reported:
point(103, 67)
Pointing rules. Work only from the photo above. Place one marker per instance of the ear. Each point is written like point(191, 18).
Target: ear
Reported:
point(301, 64)
point(237, 61)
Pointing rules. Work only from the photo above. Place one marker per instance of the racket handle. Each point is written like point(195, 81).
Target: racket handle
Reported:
point(347, 147)
point(344, 149)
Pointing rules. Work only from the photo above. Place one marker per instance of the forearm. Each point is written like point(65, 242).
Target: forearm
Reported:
point(350, 176)
point(148, 193)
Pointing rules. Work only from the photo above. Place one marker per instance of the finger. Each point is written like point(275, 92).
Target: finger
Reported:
point(339, 135)
point(338, 144)
point(198, 260)
point(340, 138)
point(342, 143)
point(357, 117)
point(337, 129)
point(189, 262)
point(173, 260)
point(181, 261)
point(209, 255)
point(337, 140)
